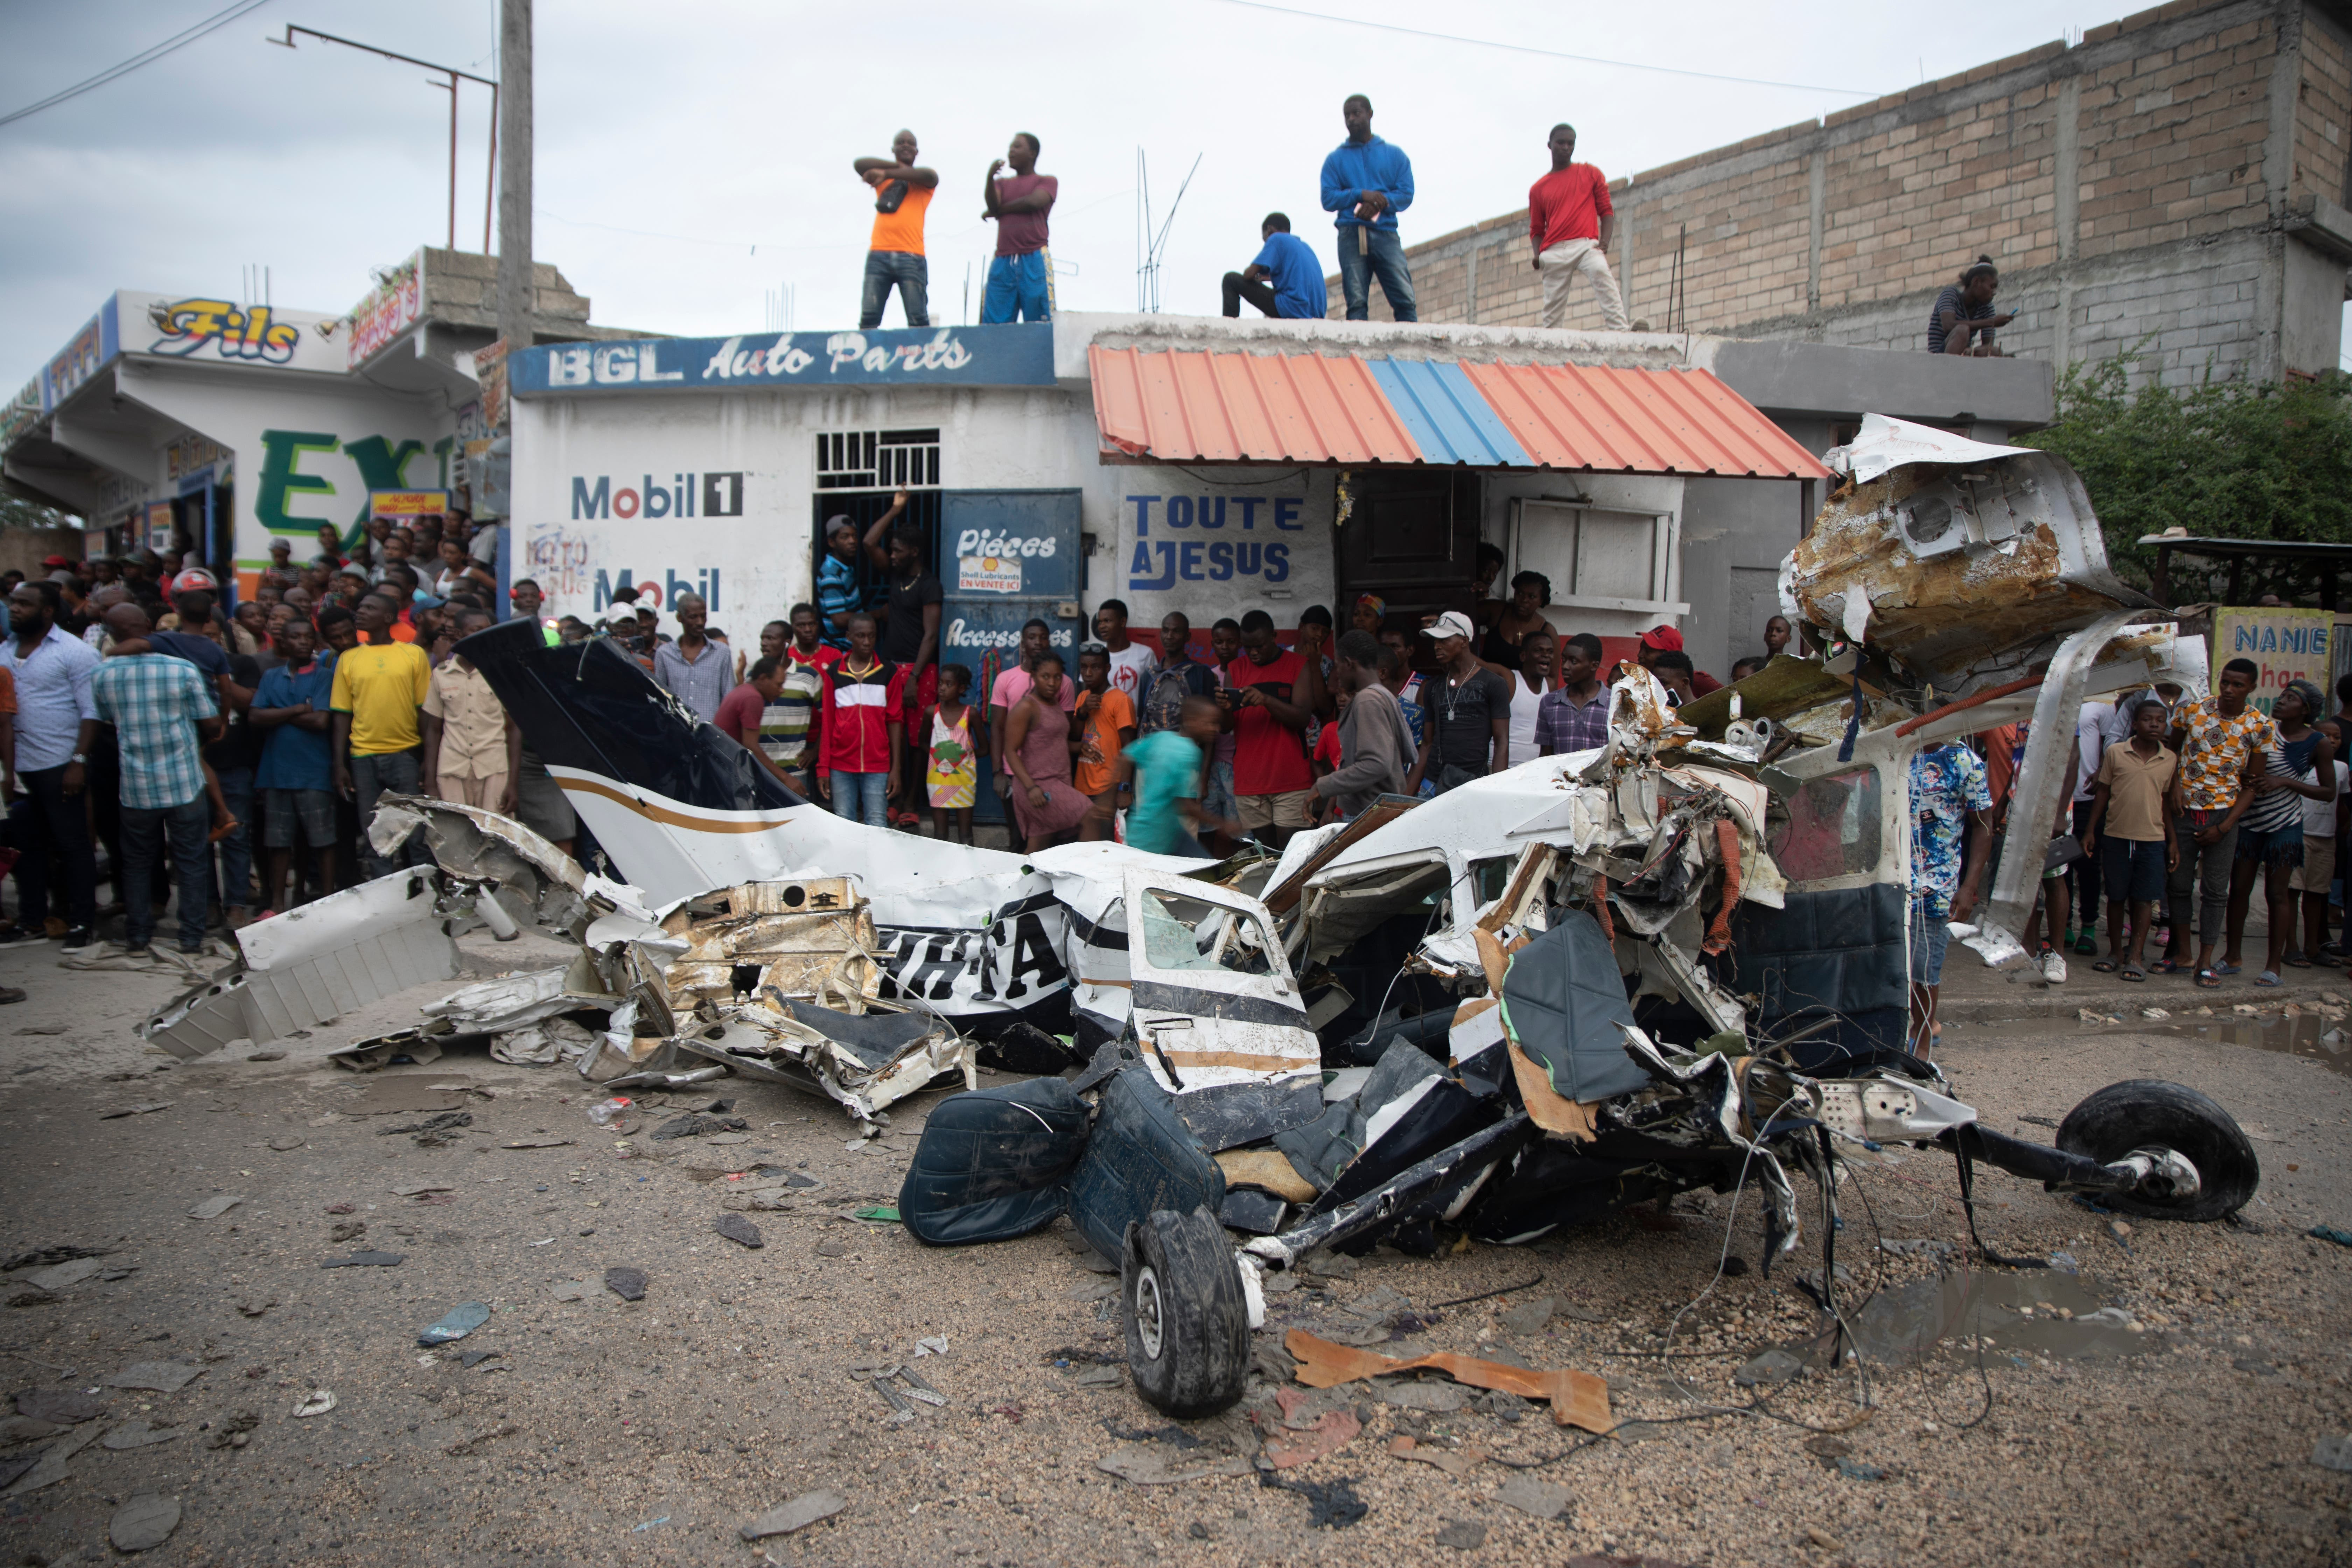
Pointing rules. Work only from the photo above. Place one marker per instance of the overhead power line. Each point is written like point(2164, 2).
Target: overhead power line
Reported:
point(1548, 54)
point(218, 20)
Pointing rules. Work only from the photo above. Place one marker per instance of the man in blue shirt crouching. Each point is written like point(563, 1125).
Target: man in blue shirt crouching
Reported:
point(1286, 280)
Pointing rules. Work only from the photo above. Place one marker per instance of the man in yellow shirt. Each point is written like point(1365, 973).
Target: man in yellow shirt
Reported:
point(378, 700)
point(893, 256)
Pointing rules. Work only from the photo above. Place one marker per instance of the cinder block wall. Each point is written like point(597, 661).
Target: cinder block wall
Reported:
point(2148, 180)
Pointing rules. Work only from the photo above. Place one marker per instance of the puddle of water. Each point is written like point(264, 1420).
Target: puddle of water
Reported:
point(2306, 1035)
point(2016, 1313)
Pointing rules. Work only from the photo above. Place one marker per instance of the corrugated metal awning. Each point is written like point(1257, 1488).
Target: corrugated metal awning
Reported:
point(1181, 406)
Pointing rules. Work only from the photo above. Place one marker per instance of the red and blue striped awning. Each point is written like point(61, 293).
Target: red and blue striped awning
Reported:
point(1190, 406)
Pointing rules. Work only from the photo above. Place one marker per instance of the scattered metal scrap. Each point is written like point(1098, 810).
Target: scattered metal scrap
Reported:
point(1678, 960)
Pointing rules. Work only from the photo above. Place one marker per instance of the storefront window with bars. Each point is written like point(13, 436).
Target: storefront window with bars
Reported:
point(878, 460)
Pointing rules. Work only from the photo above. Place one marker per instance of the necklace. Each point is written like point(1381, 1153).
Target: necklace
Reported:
point(852, 671)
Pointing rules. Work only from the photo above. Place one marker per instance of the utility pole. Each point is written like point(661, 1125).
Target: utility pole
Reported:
point(516, 294)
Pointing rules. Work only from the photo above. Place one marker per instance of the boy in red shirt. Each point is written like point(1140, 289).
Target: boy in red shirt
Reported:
point(862, 738)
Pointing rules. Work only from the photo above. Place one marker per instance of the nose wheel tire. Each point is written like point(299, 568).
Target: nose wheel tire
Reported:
point(2144, 1112)
point(1187, 1319)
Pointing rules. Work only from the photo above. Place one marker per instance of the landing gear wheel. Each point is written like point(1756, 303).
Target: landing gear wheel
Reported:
point(2144, 1112)
point(1187, 1322)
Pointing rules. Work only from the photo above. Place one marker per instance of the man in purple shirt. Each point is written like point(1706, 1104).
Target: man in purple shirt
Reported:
point(1021, 278)
point(1574, 715)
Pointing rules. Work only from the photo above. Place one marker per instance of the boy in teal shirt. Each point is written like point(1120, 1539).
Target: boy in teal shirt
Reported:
point(1166, 768)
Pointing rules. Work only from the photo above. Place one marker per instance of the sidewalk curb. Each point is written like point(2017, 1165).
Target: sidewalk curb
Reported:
point(2177, 994)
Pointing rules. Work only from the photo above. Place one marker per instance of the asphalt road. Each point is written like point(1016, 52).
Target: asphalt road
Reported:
point(609, 1431)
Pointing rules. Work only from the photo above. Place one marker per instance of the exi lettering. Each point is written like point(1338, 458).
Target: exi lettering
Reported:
point(717, 495)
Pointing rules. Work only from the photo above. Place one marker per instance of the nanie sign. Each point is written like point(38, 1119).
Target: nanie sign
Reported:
point(1020, 355)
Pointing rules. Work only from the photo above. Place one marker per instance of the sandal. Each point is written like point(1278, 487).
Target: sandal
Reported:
point(2207, 979)
point(2168, 966)
point(2228, 969)
point(2087, 946)
point(2297, 960)
point(2133, 971)
point(2267, 977)
point(2104, 966)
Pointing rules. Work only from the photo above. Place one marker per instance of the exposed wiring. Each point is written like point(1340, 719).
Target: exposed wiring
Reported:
point(1489, 1295)
point(213, 23)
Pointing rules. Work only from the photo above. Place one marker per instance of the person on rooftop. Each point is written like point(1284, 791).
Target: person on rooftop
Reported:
point(1964, 310)
point(1021, 275)
point(1286, 280)
point(1367, 181)
point(1569, 226)
point(893, 256)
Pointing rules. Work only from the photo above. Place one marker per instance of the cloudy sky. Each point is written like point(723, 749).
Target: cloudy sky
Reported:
point(693, 158)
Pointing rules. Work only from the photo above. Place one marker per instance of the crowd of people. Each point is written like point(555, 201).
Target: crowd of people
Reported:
point(234, 757)
point(847, 702)
point(2181, 809)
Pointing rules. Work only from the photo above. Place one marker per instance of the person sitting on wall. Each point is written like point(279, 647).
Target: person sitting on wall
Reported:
point(1286, 280)
point(1964, 309)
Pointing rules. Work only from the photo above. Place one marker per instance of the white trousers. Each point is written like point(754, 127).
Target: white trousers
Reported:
point(1560, 265)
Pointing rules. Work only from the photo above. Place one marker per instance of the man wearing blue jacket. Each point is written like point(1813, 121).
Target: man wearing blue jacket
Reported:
point(1368, 182)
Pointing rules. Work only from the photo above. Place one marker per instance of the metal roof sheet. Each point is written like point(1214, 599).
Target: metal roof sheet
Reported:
point(1177, 406)
point(1190, 406)
point(1609, 420)
point(1449, 420)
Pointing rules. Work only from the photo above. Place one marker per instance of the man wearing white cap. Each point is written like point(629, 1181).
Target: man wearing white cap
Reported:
point(1466, 731)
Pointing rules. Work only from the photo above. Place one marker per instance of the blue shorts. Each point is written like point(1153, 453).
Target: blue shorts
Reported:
point(1930, 935)
point(2134, 868)
point(1020, 289)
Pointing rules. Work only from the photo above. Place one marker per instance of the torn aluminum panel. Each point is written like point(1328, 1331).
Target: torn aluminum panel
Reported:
point(531, 880)
point(866, 1061)
point(510, 1002)
point(809, 937)
point(1961, 573)
point(330, 956)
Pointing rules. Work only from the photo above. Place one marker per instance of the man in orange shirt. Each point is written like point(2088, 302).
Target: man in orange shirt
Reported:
point(894, 257)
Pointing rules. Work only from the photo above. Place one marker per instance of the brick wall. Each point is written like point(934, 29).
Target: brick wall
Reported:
point(2135, 183)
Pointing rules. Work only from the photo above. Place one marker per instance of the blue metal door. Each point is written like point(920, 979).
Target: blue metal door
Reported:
point(1006, 557)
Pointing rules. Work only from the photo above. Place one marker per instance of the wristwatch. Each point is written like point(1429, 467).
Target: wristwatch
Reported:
point(81, 758)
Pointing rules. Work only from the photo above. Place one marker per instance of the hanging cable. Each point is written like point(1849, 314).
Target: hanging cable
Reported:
point(148, 57)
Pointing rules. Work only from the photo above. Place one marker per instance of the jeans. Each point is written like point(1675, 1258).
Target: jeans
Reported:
point(399, 771)
point(1020, 289)
point(2086, 873)
point(49, 824)
point(1386, 262)
point(1238, 289)
point(910, 275)
point(144, 834)
point(862, 797)
point(235, 889)
point(2210, 862)
point(1931, 935)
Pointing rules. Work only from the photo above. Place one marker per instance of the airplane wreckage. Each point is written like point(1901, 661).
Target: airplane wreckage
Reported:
point(1677, 961)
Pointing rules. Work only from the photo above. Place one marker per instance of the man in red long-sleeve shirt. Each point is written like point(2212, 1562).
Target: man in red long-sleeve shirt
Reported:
point(1569, 225)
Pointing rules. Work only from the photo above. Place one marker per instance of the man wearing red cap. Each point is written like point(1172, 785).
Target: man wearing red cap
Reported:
point(1665, 639)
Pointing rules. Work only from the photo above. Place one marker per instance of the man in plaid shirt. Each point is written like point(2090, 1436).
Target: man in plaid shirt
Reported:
point(1574, 715)
point(162, 709)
